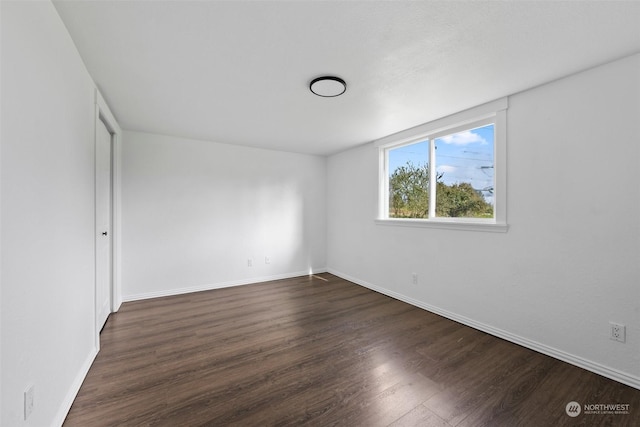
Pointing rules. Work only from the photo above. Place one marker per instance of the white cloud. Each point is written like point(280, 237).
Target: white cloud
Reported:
point(446, 168)
point(463, 138)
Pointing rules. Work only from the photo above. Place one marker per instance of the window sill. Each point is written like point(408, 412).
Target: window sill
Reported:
point(469, 225)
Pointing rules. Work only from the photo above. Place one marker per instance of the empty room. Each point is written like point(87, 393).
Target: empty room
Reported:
point(326, 213)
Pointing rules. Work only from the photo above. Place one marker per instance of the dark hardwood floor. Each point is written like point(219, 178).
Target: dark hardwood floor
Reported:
point(322, 351)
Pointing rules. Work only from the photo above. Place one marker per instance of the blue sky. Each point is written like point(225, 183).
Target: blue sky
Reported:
point(462, 157)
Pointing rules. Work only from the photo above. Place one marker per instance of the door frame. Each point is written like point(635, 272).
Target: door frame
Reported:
point(103, 113)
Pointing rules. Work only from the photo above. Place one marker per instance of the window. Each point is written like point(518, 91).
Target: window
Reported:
point(448, 173)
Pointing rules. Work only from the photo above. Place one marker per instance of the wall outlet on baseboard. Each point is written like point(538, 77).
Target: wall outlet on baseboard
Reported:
point(414, 278)
point(249, 262)
point(618, 332)
point(28, 401)
point(267, 260)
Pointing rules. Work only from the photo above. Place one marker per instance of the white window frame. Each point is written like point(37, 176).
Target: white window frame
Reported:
point(493, 112)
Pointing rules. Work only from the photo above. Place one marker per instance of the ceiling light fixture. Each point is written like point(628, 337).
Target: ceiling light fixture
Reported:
point(328, 86)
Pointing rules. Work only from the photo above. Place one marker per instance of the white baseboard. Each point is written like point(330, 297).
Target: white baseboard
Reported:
point(605, 371)
point(74, 389)
point(219, 285)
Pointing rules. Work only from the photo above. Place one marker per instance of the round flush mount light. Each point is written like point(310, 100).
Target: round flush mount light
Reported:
point(328, 86)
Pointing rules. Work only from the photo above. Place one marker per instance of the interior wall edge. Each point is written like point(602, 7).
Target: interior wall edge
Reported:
point(219, 285)
point(74, 389)
point(580, 362)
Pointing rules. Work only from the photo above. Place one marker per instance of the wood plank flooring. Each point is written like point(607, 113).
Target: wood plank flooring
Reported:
point(322, 351)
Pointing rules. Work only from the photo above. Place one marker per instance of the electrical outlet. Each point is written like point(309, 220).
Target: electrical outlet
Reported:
point(267, 260)
point(414, 278)
point(28, 401)
point(618, 332)
point(249, 262)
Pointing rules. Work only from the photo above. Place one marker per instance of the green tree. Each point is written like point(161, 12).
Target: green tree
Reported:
point(409, 191)
point(409, 196)
point(461, 200)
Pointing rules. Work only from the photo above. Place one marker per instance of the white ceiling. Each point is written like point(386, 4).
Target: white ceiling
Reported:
point(238, 71)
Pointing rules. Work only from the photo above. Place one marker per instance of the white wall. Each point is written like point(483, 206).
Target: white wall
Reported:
point(1, 97)
point(0, 220)
point(47, 191)
point(569, 262)
point(194, 212)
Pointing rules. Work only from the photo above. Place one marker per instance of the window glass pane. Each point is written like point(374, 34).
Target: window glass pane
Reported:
point(409, 181)
point(465, 169)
